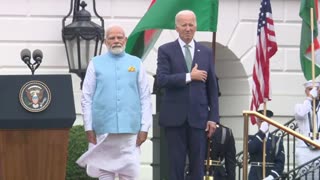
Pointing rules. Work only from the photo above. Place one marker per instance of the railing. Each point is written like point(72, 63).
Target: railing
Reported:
point(286, 131)
point(278, 132)
point(288, 139)
point(306, 171)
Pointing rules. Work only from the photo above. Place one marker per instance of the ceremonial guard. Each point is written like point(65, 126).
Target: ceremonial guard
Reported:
point(303, 117)
point(223, 154)
point(275, 157)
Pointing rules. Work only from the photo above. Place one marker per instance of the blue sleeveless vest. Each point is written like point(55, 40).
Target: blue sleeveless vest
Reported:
point(116, 104)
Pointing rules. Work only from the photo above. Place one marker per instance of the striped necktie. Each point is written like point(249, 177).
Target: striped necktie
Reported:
point(187, 56)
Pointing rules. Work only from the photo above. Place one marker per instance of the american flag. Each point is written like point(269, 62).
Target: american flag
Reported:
point(266, 47)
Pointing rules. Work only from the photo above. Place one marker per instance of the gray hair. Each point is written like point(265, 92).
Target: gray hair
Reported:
point(111, 26)
point(184, 12)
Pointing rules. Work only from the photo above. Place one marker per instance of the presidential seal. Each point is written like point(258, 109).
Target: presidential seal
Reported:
point(35, 96)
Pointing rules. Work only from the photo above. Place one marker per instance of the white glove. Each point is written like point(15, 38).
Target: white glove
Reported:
point(270, 177)
point(314, 92)
point(264, 127)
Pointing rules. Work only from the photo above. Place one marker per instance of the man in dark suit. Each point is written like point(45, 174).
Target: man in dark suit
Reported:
point(189, 106)
point(275, 157)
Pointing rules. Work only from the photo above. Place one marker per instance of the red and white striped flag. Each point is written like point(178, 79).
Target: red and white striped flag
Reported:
point(266, 47)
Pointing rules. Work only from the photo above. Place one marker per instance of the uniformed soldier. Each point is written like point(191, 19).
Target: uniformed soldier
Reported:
point(303, 116)
point(275, 157)
point(223, 154)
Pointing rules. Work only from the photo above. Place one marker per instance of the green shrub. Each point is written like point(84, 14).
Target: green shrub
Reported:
point(78, 144)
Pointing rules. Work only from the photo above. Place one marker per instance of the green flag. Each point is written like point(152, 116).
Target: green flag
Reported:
point(161, 15)
point(306, 39)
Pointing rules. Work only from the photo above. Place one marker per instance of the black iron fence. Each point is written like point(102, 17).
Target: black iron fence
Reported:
point(308, 171)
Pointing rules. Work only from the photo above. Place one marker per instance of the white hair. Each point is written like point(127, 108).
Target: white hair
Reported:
point(184, 12)
point(111, 26)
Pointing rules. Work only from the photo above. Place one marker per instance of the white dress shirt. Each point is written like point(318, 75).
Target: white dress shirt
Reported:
point(191, 47)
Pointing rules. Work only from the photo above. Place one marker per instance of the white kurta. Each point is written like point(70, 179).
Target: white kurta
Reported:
point(89, 87)
point(116, 153)
point(303, 152)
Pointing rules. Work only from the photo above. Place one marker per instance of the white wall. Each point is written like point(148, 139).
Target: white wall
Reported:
point(36, 24)
point(239, 37)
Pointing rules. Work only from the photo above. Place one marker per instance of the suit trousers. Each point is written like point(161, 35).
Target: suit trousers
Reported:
point(185, 140)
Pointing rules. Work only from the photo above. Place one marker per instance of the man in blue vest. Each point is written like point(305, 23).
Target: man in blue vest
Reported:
point(116, 109)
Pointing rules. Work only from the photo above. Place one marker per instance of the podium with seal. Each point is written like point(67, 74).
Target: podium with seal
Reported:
point(36, 113)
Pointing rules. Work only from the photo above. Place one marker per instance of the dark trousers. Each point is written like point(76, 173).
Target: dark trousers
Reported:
point(185, 140)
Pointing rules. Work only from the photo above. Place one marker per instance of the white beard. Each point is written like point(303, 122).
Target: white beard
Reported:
point(116, 50)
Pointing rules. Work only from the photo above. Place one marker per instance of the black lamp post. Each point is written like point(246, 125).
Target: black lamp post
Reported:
point(83, 38)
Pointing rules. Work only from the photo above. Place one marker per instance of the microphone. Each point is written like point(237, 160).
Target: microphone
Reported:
point(25, 56)
point(37, 56)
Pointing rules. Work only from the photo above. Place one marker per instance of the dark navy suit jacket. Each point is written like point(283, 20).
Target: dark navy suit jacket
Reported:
point(196, 101)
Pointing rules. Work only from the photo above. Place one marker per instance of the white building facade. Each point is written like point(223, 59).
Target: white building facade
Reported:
point(37, 24)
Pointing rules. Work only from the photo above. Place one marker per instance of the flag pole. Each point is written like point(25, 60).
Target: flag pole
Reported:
point(264, 145)
point(313, 75)
point(213, 45)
